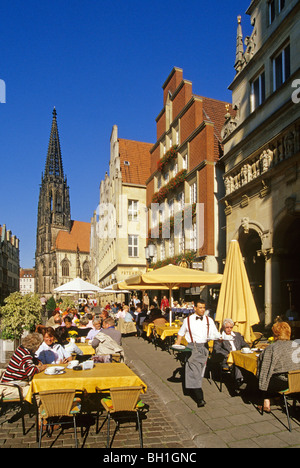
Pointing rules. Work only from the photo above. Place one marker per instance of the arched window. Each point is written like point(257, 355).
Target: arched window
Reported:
point(65, 267)
point(86, 270)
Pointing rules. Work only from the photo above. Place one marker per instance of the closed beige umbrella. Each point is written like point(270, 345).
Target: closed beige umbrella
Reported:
point(236, 299)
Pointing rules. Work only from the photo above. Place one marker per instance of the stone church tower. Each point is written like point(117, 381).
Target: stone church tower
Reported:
point(62, 245)
point(54, 212)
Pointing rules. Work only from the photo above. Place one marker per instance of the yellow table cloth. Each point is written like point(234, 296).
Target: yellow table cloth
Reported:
point(86, 348)
point(148, 327)
point(246, 361)
point(164, 331)
point(104, 376)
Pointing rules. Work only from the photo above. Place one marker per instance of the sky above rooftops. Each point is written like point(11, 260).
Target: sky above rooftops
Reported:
point(100, 63)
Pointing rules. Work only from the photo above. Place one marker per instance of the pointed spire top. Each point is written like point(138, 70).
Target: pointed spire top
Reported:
point(239, 46)
point(54, 164)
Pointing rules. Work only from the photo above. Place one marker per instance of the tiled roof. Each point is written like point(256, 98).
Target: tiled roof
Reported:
point(215, 111)
point(137, 154)
point(78, 237)
point(27, 272)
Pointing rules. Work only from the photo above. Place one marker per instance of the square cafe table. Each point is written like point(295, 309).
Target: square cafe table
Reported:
point(246, 361)
point(104, 376)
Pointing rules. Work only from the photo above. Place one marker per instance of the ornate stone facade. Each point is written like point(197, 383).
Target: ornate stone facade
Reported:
point(262, 155)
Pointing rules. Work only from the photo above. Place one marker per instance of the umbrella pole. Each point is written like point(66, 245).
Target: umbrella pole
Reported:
point(170, 303)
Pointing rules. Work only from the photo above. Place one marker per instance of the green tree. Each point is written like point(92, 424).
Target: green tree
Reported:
point(20, 313)
point(51, 304)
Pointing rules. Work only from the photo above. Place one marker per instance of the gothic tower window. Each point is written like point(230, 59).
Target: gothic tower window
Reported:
point(65, 267)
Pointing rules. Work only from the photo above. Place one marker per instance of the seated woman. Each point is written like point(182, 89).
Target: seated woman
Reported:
point(156, 317)
point(22, 366)
point(51, 352)
point(275, 362)
point(62, 332)
point(230, 341)
point(83, 327)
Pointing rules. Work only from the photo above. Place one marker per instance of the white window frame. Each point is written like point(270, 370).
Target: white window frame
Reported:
point(133, 210)
point(282, 53)
point(133, 245)
point(162, 249)
point(193, 193)
point(261, 80)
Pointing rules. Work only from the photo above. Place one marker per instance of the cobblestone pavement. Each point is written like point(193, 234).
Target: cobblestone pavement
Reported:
point(173, 420)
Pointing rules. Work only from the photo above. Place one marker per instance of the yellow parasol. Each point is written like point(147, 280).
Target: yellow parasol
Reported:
point(172, 277)
point(236, 299)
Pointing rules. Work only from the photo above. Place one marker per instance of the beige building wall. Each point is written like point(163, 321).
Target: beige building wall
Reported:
point(111, 223)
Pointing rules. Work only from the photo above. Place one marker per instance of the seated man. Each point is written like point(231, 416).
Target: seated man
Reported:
point(230, 341)
point(108, 341)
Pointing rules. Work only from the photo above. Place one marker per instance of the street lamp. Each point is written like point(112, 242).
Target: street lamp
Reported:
point(150, 253)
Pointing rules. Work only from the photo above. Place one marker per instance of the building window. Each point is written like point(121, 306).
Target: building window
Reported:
point(180, 201)
point(133, 243)
point(281, 5)
point(281, 67)
point(193, 237)
point(171, 207)
point(65, 268)
point(162, 250)
point(158, 182)
point(258, 91)
point(184, 161)
point(271, 7)
point(181, 243)
point(171, 246)
point(132, 210)
point(193, 193)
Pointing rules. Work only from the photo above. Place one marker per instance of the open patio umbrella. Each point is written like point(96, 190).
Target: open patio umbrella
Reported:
point(78, 285)
point(236, 299)
point(171, 277)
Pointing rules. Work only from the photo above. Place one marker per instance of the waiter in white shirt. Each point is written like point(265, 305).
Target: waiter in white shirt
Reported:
point(198, 329)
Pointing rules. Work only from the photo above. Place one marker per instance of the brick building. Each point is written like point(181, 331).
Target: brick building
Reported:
point(186, 179)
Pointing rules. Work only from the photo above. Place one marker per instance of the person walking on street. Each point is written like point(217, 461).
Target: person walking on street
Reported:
point(197, 329)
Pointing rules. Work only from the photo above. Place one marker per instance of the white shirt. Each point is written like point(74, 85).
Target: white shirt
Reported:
point(229, 338)
point(52, 354)
point(199, 329)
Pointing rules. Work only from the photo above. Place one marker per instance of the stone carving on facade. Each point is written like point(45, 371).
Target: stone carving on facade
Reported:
point(245, 225)
point(231, 122)
point(289, 144)
point(277, 151)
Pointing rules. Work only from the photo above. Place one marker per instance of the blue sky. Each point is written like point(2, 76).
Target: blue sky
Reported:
point(100, 63)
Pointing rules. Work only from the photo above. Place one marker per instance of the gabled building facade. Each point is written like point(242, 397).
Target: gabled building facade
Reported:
point(186, 183)
point(261, 155)
point(118, 233)
point(27, 280)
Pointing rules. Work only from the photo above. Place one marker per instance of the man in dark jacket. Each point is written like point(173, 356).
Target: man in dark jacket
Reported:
point(230, 341)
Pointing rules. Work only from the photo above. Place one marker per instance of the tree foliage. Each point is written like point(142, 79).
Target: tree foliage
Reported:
point(20, 313)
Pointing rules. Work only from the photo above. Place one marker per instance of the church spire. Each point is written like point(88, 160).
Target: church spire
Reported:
point(54, 164)
point(239, 46)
